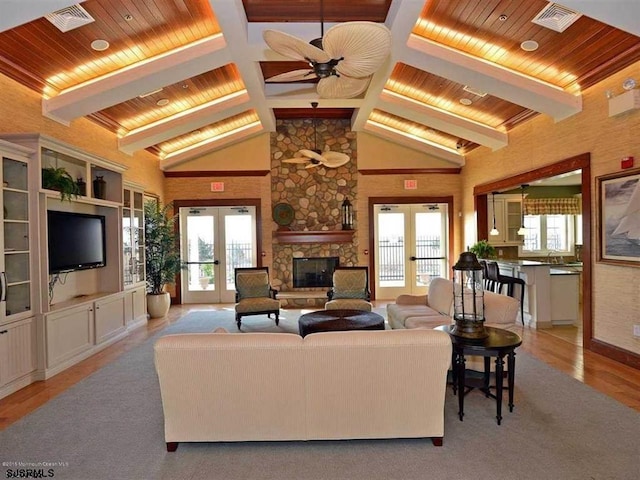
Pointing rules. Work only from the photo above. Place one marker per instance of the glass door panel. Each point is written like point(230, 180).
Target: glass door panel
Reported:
point(215, 240)
point(411, 248)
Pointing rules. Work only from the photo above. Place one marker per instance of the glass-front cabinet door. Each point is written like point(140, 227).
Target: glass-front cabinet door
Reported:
point(16, 272)
point(133, 236)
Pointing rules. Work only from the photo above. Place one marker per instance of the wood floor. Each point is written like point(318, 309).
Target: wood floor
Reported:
point(560, 348)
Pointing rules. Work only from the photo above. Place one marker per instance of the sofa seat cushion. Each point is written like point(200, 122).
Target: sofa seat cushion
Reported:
point(427, 322)
point(401, 312)
point(264, 304)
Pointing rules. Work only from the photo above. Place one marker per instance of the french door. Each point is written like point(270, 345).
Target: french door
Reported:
point(214, 241)
point(411, 247)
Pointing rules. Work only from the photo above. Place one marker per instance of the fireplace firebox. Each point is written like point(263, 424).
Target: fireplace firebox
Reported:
point(312, 272)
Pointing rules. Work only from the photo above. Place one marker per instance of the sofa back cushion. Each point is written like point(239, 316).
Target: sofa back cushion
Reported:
point(500, 309)
point(376, 384)
point(231, 386)
point(441, 295)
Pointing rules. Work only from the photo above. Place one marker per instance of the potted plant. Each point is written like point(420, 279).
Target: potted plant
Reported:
point(162, 260)
point(57, 178)
point(483, 249)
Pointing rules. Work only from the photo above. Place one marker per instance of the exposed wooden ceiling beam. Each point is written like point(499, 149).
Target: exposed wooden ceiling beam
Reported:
point(491, 78)
point(138, 79)
point(442, 120)
point(184, 122)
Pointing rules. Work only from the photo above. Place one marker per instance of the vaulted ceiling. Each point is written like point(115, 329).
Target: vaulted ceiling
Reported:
point(180, 78)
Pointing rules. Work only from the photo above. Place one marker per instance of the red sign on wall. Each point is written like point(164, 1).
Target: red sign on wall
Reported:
point(217, 186)
point(410, 184)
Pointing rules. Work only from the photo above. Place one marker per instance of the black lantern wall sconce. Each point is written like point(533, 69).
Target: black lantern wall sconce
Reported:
point(347, 215)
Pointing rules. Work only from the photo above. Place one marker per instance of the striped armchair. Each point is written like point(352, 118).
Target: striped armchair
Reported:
point(350, 289)
point(254, 294)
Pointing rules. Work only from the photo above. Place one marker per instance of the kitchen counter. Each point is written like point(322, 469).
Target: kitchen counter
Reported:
point(551, 290)
point(561, 271)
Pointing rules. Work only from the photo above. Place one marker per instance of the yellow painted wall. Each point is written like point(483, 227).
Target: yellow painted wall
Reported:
point(21, 112)
point(375, 152)
point(251, 154)
point(429, 185)
point(541, 142)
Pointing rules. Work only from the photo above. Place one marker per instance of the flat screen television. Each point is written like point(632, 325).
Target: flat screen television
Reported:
point(76, 241)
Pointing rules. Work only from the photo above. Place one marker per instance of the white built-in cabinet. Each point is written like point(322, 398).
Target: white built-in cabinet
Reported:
point(133, 254)
point(50, 322)
point(508, 214)
point(18, 354)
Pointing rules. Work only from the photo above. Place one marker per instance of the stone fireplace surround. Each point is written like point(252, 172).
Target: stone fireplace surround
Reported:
point(316, 195)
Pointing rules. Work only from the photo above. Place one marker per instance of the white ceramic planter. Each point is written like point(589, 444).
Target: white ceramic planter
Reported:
point(158, 305)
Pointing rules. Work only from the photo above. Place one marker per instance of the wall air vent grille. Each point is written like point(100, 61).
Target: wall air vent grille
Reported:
point(69, 18)
point(556, 17)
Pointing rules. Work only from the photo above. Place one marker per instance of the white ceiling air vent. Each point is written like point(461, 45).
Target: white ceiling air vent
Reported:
point(556, 17)
point(469, 89)
point(69, 18)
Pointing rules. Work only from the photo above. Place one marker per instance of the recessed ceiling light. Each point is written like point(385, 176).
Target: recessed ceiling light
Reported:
point(529, 45)
point(503, 17)
point(128, 17)
point(99, 45)
point(162, 102)
point(465, 101)
point(184, 85)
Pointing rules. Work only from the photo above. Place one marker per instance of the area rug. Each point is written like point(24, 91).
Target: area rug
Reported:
point(110, 426)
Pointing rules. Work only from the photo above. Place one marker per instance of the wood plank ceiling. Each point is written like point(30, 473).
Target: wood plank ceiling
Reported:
point(189, 74)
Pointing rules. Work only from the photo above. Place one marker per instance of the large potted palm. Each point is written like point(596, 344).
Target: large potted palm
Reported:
point(162, 260)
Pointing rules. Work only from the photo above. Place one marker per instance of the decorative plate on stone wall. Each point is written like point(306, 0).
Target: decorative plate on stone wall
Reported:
point(283, 214)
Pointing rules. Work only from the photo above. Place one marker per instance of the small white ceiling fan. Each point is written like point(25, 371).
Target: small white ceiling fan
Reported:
point(316, 157)
point(344, 59)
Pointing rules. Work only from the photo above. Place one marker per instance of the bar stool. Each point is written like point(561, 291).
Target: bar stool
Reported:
point(493, 272)
point(493, 276)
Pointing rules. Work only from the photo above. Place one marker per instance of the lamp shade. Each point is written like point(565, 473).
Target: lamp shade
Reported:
point(468, 298)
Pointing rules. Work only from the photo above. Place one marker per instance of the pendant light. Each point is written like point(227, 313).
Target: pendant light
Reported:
point(494, 231)
point(522, 229)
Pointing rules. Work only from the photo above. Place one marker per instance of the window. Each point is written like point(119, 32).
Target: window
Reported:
point(548, 234)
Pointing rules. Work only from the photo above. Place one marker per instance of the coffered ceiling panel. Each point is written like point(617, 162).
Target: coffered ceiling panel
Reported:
point(495, 29)
point(447, 95)
point(179, 97)
point(208, 132)
point(45, 58)
point(180, 78)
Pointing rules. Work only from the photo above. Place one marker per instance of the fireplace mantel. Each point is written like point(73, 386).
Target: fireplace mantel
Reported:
point(317, 236)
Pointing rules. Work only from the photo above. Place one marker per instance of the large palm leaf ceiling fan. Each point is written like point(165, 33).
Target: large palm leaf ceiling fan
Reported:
point(344, 59)
point(316, 157)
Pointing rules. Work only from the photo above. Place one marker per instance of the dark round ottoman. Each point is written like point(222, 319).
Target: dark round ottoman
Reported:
point(338, 320)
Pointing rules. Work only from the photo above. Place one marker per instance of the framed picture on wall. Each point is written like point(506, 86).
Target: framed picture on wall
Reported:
point(619, 218)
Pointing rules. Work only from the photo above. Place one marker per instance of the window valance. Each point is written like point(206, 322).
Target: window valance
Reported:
point(552, 206)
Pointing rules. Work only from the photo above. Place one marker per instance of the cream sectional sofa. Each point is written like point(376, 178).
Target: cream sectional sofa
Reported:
point(231, 387)
point(436, 308)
